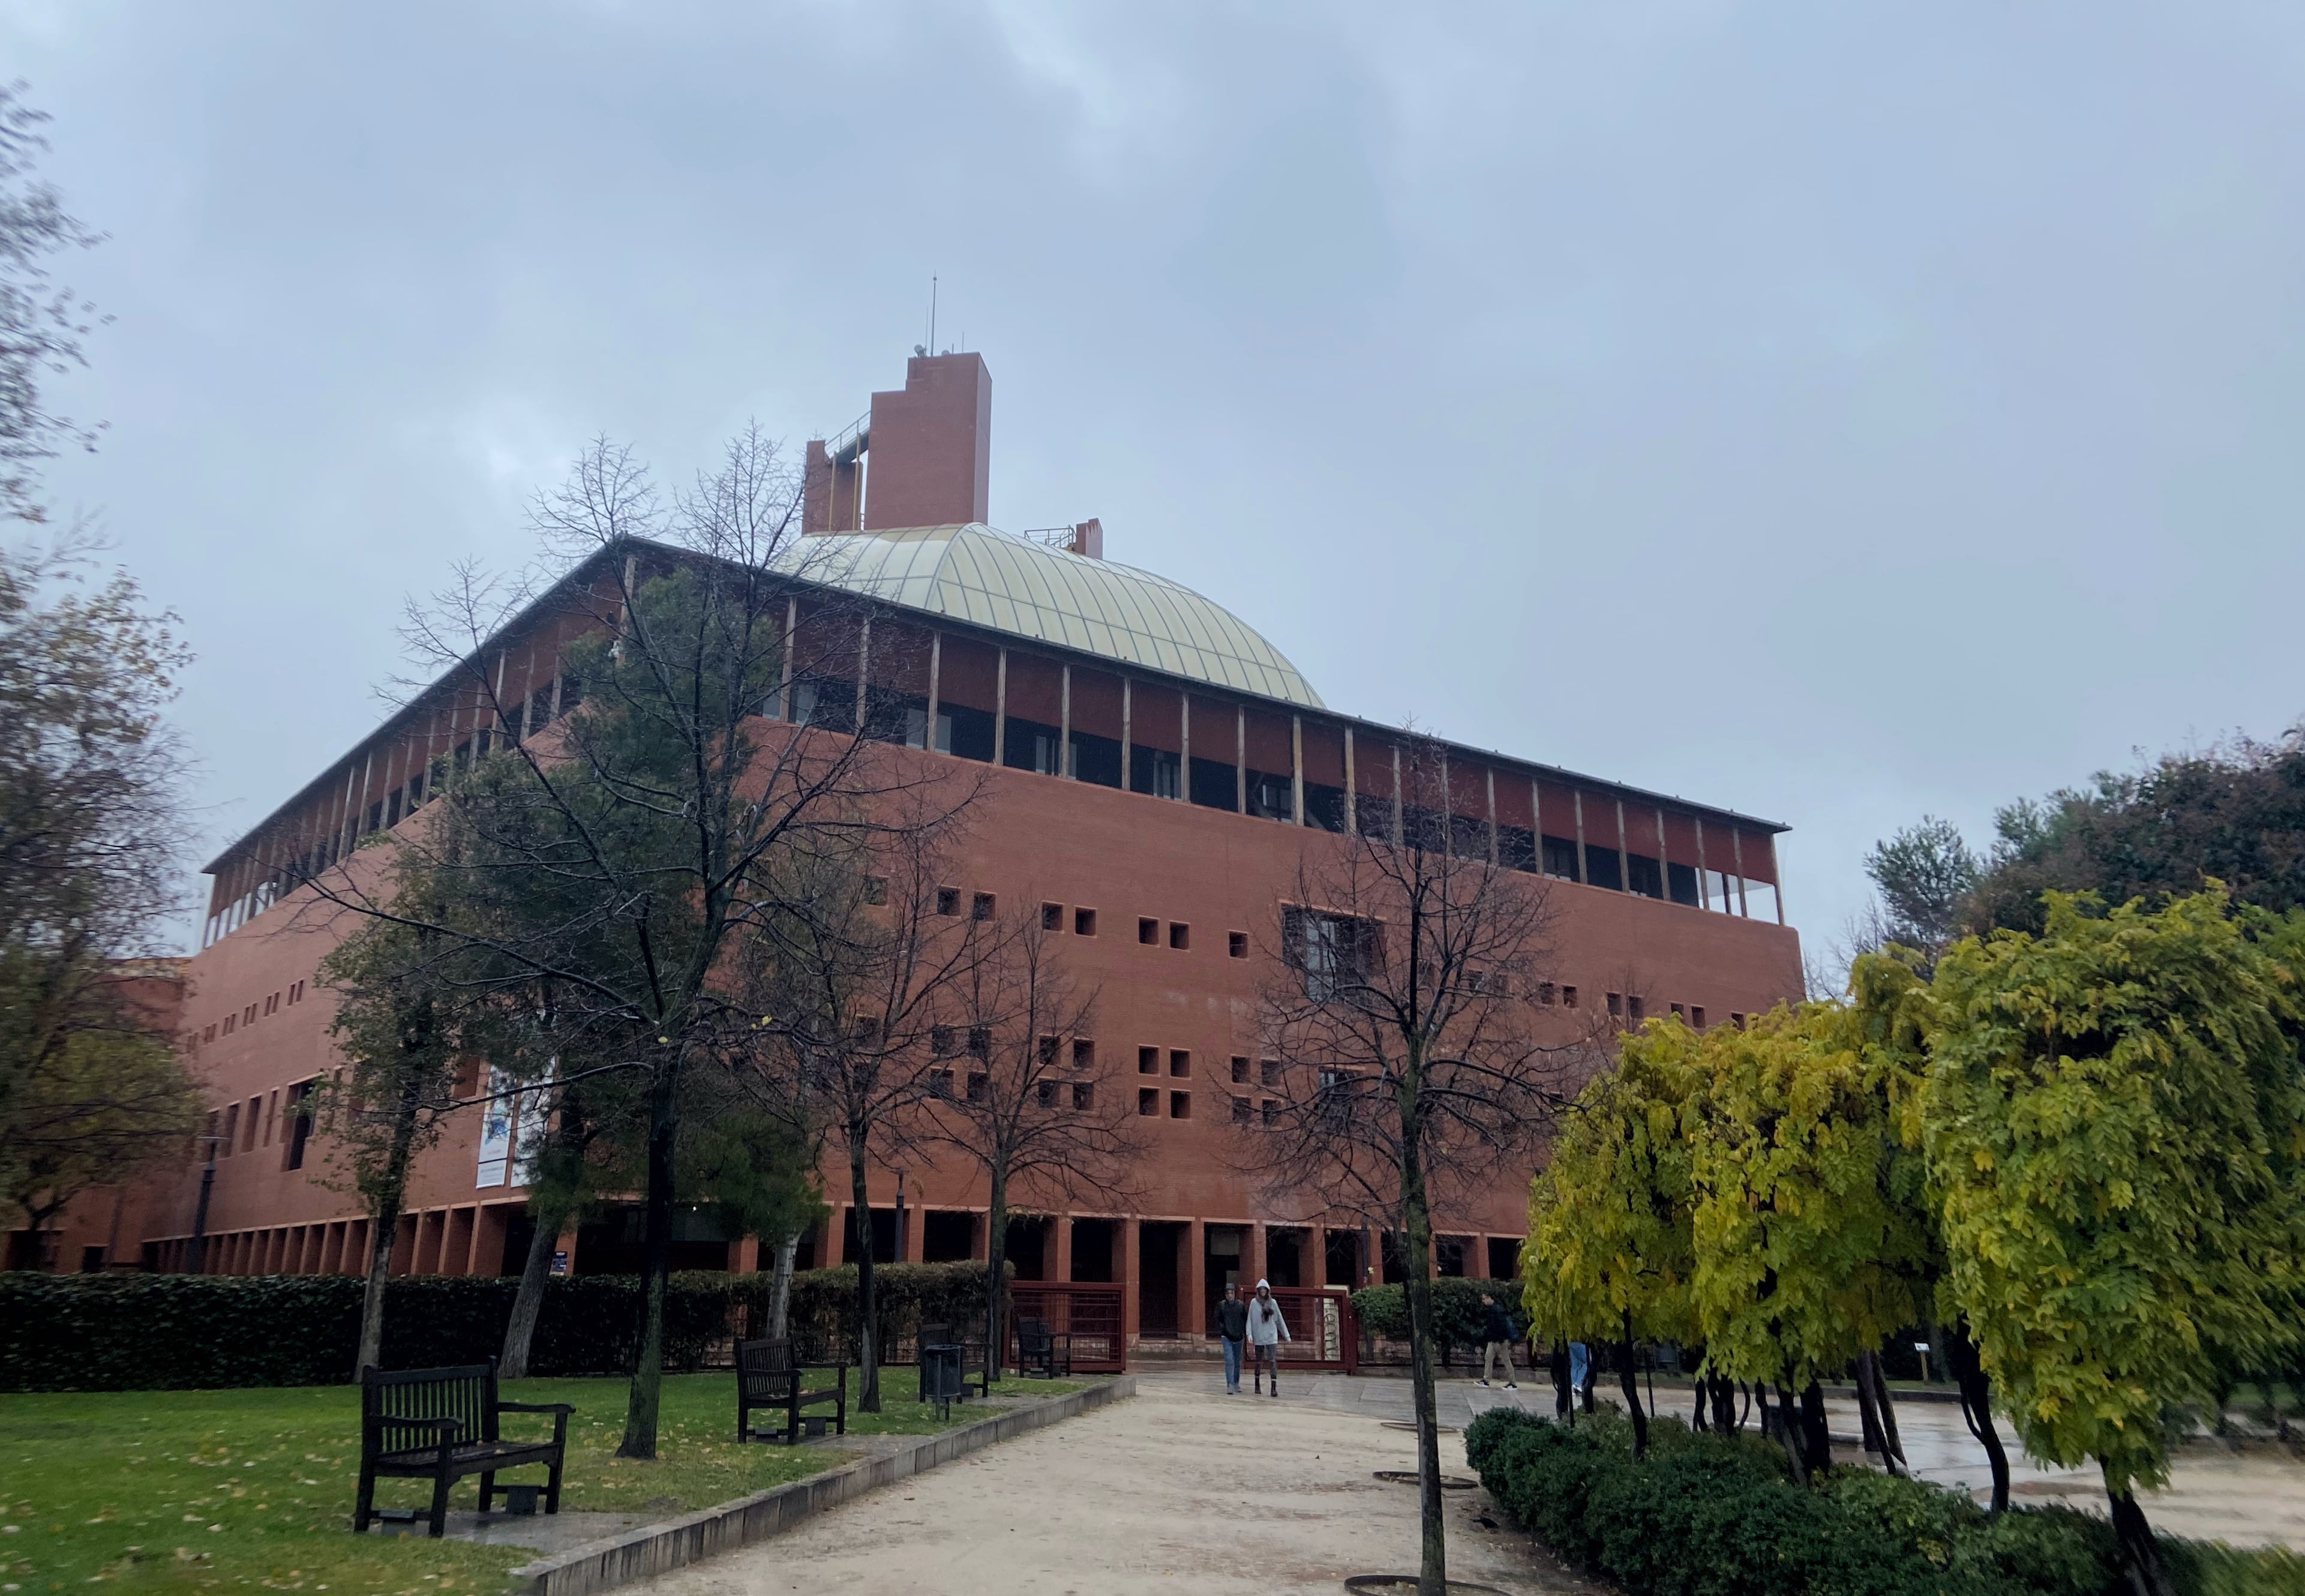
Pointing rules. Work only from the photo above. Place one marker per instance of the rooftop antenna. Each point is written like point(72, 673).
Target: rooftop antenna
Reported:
point(933, 296)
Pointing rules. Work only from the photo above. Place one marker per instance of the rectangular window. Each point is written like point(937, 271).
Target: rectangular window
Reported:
point(1645, 875)
point(1737, 1020)
point(941, 1039)
point(1547, 995)
point(1052, 916)
point(1044, 1093)
point(1240, 1071)
point(1696, 1015)
point(1679, 1013)
point(948, 900)
point(1083, 1096)
point(1636, 1008)
point(1603, 868)
point(1616, 1005)
point(1180, 1106)
point(1148, 1061)
point(980, 1088)
point(876, 888)
point(1083, 1054)
point(1681, 883)
point(939, 1083)
point(1049, 1052)
point(1268, 1072)
point(1180, 1061)
point(982, 907)
point(980, 1041)
point(1569, 997)
point(1084, 922)
point(1334, 951)
point(1148, 1102)
point(1180, 935)
point(1270, 1110)
point(1240, 1111)
point(1148, 931)
point(1237, 943)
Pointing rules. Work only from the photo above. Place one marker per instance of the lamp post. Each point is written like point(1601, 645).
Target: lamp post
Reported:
point(197, 1259)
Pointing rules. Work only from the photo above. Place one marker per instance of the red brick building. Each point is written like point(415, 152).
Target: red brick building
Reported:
point(1155, 768)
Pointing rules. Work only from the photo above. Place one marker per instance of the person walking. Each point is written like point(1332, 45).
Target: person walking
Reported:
point(1232, 1329)
point(1496, 1337)
point(1267, 1329)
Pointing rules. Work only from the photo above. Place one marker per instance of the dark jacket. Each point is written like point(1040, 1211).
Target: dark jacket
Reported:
point(1233, 1319)
point(1494, 1324)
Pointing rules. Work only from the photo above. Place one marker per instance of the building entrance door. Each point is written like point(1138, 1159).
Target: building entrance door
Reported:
point(1220, 1268)
point(1157, 1242)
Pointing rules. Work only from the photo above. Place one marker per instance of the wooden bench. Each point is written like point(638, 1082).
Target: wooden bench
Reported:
point(440, 1424)
point(767, 1378)
point(1043, 1351)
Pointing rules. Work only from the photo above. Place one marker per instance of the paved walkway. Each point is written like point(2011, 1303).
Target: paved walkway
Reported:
point(1186, 1490)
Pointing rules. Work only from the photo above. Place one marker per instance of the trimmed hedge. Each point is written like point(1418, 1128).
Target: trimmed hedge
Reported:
point(1723, 1516)
point(137, 1332)
point(1457, 1311)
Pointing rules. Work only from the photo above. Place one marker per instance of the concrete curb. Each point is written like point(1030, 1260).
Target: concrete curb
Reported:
point(674, 1542)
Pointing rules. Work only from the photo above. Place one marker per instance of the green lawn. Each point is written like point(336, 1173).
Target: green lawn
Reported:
point(205, 1491)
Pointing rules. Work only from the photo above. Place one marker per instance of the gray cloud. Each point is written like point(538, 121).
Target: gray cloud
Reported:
point(1829, 412)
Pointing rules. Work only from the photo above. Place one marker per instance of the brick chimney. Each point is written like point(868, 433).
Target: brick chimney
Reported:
point(925, 453)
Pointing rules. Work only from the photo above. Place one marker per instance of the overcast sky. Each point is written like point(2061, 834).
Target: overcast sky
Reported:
point(1832, 412)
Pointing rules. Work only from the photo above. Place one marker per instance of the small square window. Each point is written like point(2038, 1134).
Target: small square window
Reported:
point(942, 1040)
point(1148, 931)
point(1044, 1093)
point(1679, 1013)
point(1237, 943)
point(1083, 1054)
point(1268, 1071)
point(1083, 1096)
point(1052, 916)
point(980, 1041)
point(1148, 1061)
point(1180, 1061)
point(1240, 1071)
point(1180, 935)
point(980, 1088)
point(1616, 1005)
point(1547, 995)
point(1270, 1110)
point(1737, 1020)
point(1636, 1008)
point(1148, 1102)
point(1240, 1111)
point(1180, 1106)
point(1569, 997)
point(1049, 1050)
point(939, 1083)
point(981, 907)
point(948, 900)
point(876, 888)
point(1696, 1015)
point(1084, 922)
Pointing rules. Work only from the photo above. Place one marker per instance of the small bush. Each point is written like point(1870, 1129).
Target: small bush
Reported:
point(1717, 1515)
point(1457, 1311)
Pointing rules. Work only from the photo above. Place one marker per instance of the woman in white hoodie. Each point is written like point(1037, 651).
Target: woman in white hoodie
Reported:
point(1267, 1329)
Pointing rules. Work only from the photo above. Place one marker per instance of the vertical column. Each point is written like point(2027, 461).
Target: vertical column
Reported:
point(1396, 795)
point(1624, 864)
point(1184, 746)
point(1241, 759)
point(1060, 1269)
point(783, 687)
point(1577, 802)
point(864, 665)
point(1664, 868)
point(1001, 709)
point(1296, 769)
point(1126, 1267)
point(1493, 817)
point(1128, 707)
point(1252, 1255)
point(1704, 885)
point(935, 666)
point(1352, 793)
point(1777, 880)
point(1065, 721)
point(1736, 849)
point(1314, 1270)
point(1192, 1287)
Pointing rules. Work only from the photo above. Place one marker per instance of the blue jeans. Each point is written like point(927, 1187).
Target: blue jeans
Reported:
point(1232, 1362)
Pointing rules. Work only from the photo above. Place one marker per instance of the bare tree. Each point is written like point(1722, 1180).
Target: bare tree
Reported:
point(1403, 1008)
point(621, 857)
point(1020, 1089)
point(857, 963)
point(41, 322)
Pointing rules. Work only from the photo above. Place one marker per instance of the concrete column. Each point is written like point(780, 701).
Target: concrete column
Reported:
point(1352, 794)
point(1060, 1269)
point(1296, 769)
point(1252, 1255)
point(744, 1256)
point(936, 665)
point(456, 1240)
point(1624, 865)
point(1065, 721)
point(1736, 849)
point(1315, 1270)
point(864, 665)
point(1777, 879)
point(784, 688)
point(1492, 817)
point(1241, 759)
point(1001, 709)
point(1127, 705)
point(489, 1238)
point(1577, 802)
point(1703, 888)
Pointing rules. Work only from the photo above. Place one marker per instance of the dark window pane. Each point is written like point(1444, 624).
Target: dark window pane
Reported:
point(1681, 883)
point(1600, 868)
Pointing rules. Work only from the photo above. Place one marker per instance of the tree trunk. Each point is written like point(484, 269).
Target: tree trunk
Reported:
point(647, 1394)
point(1778, 1423)
point(528, 1302)
point(2140, 1553)
point(1561, 1404)
point(1873, 1388)
point(1697, 1416)
point(1632, 1392)
point(1817, 1436)
point(780, 1288)
point(868, 1319)
point(1433, 1569)
point(384, 1225)
point(995, 1256)
point(1977, 1406)
point(1725, 1419)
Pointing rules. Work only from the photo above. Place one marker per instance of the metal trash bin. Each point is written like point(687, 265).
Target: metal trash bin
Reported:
point(942, 1379)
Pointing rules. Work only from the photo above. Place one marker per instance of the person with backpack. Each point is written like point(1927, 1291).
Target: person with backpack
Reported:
point(1267, 1329)
point(1232, 1329)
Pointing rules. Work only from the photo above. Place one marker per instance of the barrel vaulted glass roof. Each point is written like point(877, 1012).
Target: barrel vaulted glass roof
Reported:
point(971, 573)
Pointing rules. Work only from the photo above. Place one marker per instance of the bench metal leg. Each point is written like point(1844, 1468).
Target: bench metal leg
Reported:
point(488, 1488)
point(440, 1483)
point(552, 1487)
point(364, 1504)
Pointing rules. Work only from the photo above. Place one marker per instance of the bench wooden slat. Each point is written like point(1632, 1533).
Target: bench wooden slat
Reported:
point(440, 1424)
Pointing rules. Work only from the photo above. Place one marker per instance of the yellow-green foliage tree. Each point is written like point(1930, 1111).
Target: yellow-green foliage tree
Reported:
point(1609, 1249)
point(1805, 1257)
point(2116, 1121)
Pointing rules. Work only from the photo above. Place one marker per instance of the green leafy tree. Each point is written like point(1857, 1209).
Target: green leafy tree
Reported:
point(41, 320)
point(1611, 1251)
point(1924, 873)
point(1803, 1258)
point(2116, 1118)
